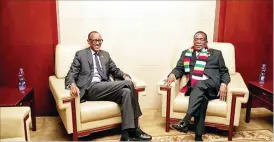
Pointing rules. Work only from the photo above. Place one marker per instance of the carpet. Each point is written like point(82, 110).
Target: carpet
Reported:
point(254, 135)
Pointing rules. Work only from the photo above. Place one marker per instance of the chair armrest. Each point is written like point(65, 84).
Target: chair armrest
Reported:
point(238, 86)
point(15, 123)
point(237, 93)
point(59, 92)
point(173, 87)
point(140, 87)
point(139, 83)
point(162, 90)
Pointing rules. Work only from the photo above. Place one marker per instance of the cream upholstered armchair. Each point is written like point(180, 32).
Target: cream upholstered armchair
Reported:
point(81, 119)
point(222, 115)
point(14, 123)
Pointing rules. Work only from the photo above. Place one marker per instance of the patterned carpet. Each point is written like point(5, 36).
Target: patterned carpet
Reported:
point(256, 135)
point(259, 129)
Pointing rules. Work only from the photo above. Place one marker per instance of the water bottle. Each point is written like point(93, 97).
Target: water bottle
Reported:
point(262, 75)
point(22, 82)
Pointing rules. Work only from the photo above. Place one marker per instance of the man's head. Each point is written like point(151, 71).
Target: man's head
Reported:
point(200, 40)
point(95, 40)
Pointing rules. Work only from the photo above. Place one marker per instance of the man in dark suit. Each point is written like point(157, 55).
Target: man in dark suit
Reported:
point(89, 77)
point(208, 78)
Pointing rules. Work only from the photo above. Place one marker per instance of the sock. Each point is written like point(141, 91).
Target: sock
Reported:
point(131, 132)
point(124, 133)
point(136, 122)
point(198, 138)
point(187, 118)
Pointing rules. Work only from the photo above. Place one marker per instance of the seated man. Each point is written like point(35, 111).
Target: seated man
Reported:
point(207, 79)
point(89, 77)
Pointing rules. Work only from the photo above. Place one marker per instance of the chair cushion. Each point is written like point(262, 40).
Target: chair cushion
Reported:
point(98, 110)
point(215, 107)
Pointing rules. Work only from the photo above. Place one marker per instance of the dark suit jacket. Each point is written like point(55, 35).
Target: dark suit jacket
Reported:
point(82, 69)
point(215, 67)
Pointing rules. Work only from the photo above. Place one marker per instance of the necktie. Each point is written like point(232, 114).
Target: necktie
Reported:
point(99, 69)
point(194, 56)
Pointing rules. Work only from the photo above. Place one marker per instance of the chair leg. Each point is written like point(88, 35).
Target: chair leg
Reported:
point(167, 124)
point(232, 115)
point(75, 136)
point(230, 133)
point(168, 111)
point(73, 115)
point(167, 106)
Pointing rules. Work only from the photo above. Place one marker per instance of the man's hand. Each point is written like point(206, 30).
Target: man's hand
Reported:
point(74, 90)
point(128, 78)
point(222, 92)
point(171, 78)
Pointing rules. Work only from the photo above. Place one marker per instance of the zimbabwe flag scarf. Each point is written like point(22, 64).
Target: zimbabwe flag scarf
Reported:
point(199, 67)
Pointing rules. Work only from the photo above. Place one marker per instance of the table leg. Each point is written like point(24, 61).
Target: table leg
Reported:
point(33, 112)
point(248, 108)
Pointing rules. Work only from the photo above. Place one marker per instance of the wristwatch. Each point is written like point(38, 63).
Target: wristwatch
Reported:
point(69, 86)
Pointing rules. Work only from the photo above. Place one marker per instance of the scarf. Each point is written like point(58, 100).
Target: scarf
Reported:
point(199, 67)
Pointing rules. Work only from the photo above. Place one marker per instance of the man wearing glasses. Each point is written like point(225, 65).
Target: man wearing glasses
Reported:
point(89, 77)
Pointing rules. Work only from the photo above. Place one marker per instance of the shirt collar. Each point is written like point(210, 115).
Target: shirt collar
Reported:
point(93, 52)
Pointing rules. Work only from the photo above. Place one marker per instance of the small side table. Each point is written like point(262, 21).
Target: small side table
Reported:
point(10, 96)
point(264, 93)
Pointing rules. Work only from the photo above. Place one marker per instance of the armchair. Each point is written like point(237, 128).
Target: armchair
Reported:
point(81, 119)
point(14, 123)
point(222, 115)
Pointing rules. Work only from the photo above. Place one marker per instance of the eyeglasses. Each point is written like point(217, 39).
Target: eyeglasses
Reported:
point(202, 39)
point(97, 40)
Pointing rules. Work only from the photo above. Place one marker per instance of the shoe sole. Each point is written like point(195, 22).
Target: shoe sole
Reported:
point(137, 139)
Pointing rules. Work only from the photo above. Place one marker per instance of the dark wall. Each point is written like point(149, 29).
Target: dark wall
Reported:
point(248, 25)
point(28, 37)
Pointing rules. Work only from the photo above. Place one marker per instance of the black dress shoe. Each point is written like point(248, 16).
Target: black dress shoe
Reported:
point(198, 138)
point(180, 126)
point(128, 138)
point(124, 137)
point(141, 135)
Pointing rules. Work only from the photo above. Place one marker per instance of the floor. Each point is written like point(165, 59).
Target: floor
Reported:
point(51, 128)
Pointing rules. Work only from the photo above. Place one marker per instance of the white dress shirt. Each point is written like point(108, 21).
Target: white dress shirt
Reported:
point(96, 75)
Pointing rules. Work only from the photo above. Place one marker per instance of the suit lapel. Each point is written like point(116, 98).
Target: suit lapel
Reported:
point(89, 57)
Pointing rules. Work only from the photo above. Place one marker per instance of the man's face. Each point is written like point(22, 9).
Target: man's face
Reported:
point(199, 41)
point(95, 41)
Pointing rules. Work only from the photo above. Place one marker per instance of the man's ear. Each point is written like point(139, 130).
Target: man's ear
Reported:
point(89, 42)
point(206, 46)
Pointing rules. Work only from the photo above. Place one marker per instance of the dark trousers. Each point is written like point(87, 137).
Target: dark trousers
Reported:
point(121, 92)
point(199, 95)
